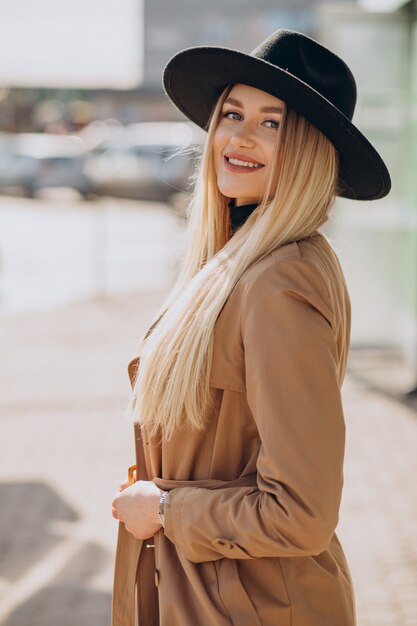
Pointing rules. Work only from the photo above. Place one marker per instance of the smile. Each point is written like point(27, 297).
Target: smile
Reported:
point(241, 167)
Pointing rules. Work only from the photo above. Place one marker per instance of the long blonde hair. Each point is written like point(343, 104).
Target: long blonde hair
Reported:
point(171, 390)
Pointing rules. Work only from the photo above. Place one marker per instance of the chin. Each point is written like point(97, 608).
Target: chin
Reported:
point(227, 191)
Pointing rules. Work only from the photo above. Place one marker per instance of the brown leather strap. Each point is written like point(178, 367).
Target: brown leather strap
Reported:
point(124, 586)
point(128, 553)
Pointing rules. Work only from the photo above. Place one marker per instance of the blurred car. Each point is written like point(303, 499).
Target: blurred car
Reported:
point(149, 161)
point(16, 170)
point(33, 161)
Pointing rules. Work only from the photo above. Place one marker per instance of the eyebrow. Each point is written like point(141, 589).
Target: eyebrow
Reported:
point(262, 109)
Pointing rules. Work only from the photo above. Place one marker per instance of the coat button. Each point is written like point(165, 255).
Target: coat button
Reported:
point(156, 578)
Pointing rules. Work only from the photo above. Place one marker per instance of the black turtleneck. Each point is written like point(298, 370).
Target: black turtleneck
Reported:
point(239, 214)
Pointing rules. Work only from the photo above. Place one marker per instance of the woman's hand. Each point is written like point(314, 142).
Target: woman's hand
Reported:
point(124, 485)
point(137, 507)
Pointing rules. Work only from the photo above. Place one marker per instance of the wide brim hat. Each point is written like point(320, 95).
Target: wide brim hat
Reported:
point(307, 76)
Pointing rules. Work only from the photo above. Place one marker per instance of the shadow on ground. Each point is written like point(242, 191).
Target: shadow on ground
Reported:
point(46, 576)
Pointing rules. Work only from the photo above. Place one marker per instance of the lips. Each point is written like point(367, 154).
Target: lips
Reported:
point(242, 157)
point(240, 169)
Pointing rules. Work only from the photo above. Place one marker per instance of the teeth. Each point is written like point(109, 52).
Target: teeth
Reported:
point(243, 163)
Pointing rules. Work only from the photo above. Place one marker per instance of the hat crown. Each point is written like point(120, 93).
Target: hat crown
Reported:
point(312, 63)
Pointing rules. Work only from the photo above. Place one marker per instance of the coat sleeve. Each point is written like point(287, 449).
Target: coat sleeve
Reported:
point(293, 392)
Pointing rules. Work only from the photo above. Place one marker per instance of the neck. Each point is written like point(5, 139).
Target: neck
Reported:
point(233, 203)
point(239, 213)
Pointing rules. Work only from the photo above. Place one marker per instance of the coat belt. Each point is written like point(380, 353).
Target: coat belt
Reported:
point(206, 483)
point(129, 549)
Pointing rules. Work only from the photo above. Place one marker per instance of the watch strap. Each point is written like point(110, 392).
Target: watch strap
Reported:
point(161, 513)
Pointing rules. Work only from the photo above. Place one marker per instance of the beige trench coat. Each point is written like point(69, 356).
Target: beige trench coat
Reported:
point(250, 521)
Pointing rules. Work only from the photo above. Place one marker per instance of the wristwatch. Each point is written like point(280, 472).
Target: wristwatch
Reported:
point(161, 512)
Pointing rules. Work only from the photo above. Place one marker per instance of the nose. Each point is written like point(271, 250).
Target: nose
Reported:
point(241, 137)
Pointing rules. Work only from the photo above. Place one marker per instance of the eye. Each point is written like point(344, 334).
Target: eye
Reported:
point(226, 113)
point(230, 113)
point(274, 122)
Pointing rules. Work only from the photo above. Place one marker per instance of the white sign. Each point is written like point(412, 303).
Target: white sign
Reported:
point(382, 5)
point(87, 44)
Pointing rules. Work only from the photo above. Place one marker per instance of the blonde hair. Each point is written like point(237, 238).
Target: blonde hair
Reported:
point(171, 390)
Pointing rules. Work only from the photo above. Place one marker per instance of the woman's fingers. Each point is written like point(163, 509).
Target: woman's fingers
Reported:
point(120, 488)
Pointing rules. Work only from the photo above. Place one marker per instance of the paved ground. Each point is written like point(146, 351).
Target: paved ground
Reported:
point(65, 446)
point(378, 514)
point(55, 250)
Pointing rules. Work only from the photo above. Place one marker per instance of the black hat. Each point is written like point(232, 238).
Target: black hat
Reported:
point(297, 69)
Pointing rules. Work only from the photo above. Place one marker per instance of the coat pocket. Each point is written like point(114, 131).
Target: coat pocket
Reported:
point(233, 594)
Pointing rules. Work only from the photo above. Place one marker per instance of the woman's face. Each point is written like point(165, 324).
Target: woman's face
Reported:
point(246, 131)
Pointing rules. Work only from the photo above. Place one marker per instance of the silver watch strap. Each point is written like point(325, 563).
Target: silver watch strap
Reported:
point(161, 512)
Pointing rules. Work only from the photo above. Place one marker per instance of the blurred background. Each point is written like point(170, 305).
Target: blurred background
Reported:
point(95, 166)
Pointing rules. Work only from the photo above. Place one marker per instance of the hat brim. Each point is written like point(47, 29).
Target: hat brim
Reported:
point(195, 77)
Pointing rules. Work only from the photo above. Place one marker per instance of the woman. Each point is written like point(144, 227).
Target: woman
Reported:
point(239, 424)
